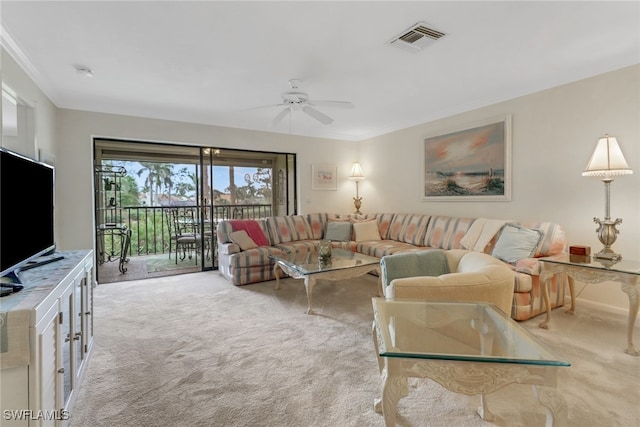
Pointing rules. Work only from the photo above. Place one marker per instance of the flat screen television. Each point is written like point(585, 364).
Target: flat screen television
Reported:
point(27, 190)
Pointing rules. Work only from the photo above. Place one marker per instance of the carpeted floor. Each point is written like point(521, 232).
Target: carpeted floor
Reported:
point(194, 350)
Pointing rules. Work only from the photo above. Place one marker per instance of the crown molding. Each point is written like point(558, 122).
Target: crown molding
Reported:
point(8, 43)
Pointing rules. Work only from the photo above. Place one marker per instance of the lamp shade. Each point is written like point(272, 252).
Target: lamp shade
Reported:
point(607, 159)
point(356, 172)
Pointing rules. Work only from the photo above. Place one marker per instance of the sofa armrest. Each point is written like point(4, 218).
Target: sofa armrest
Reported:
point(528, 266)
point(228, 248)
point(493, 284)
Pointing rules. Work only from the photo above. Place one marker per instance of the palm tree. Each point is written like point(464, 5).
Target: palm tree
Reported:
point(232, 185)
point(158, 175)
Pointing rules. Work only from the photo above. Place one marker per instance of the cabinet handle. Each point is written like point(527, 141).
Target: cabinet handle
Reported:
point(87, 313)
point(61, 371)
point(67, 338)
point(77, 336)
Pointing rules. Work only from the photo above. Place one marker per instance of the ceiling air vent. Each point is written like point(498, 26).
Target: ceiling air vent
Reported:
point(416, 37)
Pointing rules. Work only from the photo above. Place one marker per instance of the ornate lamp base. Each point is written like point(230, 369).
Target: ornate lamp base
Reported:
point(607, 234)
point(357, 202)
point(608, 254)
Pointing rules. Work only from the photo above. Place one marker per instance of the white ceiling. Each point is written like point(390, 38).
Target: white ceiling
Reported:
point(214, 62)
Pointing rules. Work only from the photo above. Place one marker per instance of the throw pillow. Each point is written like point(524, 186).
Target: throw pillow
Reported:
point(242, 239)
point(338, 231)
point(367, 230)
point(516, 243)
point(252, 228)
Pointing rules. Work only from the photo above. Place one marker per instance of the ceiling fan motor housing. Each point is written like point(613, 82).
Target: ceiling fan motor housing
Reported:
point(294, 100)
point(294, 97)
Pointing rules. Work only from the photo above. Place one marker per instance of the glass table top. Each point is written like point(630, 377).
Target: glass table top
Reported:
point(622, 266)
point(308, 262)
point(460, 331)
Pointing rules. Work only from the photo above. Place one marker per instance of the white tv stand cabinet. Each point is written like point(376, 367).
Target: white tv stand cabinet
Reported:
point(46, 336)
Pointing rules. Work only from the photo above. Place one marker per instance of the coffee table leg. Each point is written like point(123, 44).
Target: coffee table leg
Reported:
point(309, 281)
point(276, 272)
point(554, 403)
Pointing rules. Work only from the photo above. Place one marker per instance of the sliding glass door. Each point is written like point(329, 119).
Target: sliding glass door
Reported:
point(200, 185)
point(240, 184)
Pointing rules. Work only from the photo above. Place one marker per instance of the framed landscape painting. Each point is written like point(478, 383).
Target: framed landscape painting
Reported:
point(470, 164)
point(324, 177)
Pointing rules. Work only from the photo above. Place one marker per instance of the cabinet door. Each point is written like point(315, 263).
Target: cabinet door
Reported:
point(87, 309)
point(66, 343)
point(77, 348)
point(49, 377)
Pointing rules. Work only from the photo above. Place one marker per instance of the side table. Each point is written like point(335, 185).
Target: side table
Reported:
point(627, 273)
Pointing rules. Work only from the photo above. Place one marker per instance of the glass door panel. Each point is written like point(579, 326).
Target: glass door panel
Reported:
point(216, 183)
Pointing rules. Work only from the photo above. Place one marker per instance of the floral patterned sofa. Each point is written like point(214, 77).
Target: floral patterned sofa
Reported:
point(249, 263)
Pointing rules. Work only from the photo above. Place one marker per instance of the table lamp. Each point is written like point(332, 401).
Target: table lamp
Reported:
point(607, 161)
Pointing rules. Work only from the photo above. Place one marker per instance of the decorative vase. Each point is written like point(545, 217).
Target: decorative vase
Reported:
point(324, 251)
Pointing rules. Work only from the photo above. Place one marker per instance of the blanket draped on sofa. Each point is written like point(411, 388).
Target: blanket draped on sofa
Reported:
point(430, 262)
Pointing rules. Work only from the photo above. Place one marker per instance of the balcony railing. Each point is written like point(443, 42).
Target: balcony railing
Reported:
point(150, 228)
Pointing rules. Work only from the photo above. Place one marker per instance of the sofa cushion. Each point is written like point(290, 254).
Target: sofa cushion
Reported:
point(242, 239)
point(445, 232)
point(350, 245)
point(299, 247)
point(380, 248)
point(395, 226)
point(283, 229)
point(338, 231)
point(409, 228)
point(255, 257)
point(317, 223)
point(523, 282)
point(367, 230)
point(516, 243)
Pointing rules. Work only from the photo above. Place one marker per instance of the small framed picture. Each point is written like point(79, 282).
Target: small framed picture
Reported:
point(324, 177)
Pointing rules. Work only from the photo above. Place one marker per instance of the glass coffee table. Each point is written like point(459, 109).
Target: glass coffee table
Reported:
point(342, 265)
point(467, 347)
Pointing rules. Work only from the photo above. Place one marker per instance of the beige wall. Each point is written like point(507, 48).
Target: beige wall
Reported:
point(74, 162)
point(554, 133)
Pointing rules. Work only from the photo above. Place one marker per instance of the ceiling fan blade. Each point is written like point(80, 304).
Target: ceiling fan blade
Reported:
point(321, 117)
point(281, 115)
point(339, 104)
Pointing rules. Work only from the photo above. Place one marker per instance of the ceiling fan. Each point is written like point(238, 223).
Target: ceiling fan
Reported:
point(295, 100)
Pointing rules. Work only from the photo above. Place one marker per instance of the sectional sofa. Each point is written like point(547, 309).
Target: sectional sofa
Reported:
point(243, 261)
